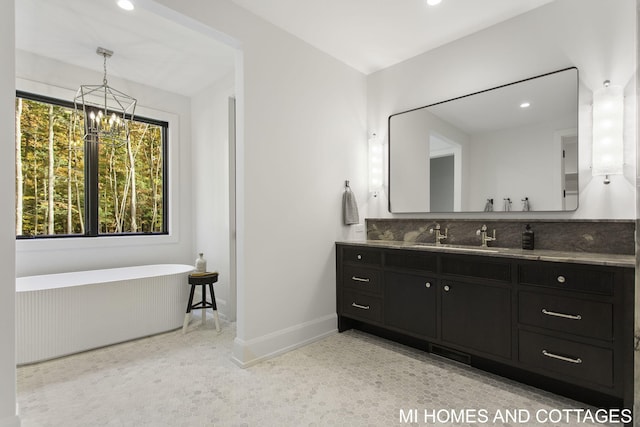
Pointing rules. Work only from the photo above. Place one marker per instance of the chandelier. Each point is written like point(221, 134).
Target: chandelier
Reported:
point(106, 111)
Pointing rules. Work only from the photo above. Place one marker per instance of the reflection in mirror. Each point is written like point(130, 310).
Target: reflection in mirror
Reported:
point(514, 147)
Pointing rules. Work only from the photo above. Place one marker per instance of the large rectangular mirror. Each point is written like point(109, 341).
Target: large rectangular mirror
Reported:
point(510, 148)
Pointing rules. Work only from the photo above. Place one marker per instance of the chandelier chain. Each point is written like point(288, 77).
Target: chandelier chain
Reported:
point(104, 78)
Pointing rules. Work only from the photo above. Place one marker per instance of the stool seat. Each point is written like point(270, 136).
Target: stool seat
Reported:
point(205, 280)
point(202, 278)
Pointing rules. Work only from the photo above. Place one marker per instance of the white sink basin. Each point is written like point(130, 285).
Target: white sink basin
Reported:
point(470, 249)
point(458, 248)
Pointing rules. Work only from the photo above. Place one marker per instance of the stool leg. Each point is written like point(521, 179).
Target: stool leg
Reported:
point(187, 319)
point(215, 318)
point(215, 307)
point(204, 303)
point(187, 316)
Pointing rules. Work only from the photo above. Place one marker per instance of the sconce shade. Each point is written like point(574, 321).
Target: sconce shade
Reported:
point(608, 114)
point(376, 166)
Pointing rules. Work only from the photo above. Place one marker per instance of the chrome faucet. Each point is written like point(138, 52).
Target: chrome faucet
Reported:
point(484, 237)
point(439, 236)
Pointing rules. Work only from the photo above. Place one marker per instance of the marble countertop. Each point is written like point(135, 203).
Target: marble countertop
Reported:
point(533, 255)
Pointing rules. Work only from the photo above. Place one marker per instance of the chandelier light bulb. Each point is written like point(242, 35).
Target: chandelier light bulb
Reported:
point(433, 2)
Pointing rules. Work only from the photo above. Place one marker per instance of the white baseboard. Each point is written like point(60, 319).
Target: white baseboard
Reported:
point(248, 353)
point(13, 421)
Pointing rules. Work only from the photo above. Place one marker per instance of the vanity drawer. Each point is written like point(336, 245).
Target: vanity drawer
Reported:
point(563, 276)
point(362, 256)
point(576, 316)
point(567, 358)
point(355, 304)
point(476, 267)
point(365, 279)
point(414, 260)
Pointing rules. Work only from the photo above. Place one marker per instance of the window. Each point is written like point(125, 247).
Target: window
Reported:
point(68, 187)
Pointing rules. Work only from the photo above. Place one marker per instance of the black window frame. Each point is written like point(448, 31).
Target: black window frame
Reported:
point(91, 174)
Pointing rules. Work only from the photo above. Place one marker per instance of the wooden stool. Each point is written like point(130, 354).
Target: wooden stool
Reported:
point(202, 279)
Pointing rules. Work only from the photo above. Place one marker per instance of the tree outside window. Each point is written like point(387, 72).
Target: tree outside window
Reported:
point(54, 169)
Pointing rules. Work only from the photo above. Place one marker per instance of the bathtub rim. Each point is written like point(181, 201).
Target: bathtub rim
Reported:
point(42, 282)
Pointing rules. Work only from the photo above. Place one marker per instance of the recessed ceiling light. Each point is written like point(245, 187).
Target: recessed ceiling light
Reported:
point(525, 105)
point(125, 4)
point(433, 2)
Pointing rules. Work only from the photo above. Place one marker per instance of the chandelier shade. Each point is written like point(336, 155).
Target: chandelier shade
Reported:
point(106, 111)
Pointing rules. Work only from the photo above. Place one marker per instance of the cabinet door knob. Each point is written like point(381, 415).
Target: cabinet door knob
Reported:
point(359, 256)
point(561, 279)
point(428, 284)
point(446, 288)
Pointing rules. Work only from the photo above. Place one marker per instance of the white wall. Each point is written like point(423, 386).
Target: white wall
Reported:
point(302, 133)
point(595, 36)
point(516, 163)
point(210, 166)
point(7, 221)
point(415, 129)
point(53, 78)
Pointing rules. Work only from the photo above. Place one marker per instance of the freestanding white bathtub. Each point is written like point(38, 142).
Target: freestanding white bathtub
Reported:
point(65, 313)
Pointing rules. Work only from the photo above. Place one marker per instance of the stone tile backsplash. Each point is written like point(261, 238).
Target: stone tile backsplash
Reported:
point(598, 236)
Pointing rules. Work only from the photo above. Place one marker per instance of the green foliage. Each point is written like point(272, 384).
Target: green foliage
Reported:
point(136, 165)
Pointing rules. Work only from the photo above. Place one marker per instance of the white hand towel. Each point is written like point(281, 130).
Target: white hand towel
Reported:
point(350, 207)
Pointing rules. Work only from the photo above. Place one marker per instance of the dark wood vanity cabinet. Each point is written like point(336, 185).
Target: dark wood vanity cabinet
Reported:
point(410, 293)
point(575, 322)
point(361, 285)
point(410, 303)
point(565, 327)
point(475, 303)
point(476, 317)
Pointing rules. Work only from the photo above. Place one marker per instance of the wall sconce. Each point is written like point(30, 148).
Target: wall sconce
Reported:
point(608, 115)
point(376, 164)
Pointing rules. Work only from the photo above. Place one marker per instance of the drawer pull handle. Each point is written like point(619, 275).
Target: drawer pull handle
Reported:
point(563, 358)
point(361, 307)
point(561, 279)
point(564, 316)
point(360, 279)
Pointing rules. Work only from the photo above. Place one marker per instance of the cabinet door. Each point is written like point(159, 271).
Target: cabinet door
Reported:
point(410, 303)
point(477, 317)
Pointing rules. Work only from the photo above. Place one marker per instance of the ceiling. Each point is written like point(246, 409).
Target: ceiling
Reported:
point(551, 97)
point(373, 34)
point(366, 34)
point(149, 49)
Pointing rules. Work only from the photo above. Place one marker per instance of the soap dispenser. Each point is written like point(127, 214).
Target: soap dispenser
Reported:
point(527, 238)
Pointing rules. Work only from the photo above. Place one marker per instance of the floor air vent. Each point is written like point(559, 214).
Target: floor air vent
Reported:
point(450, 354)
